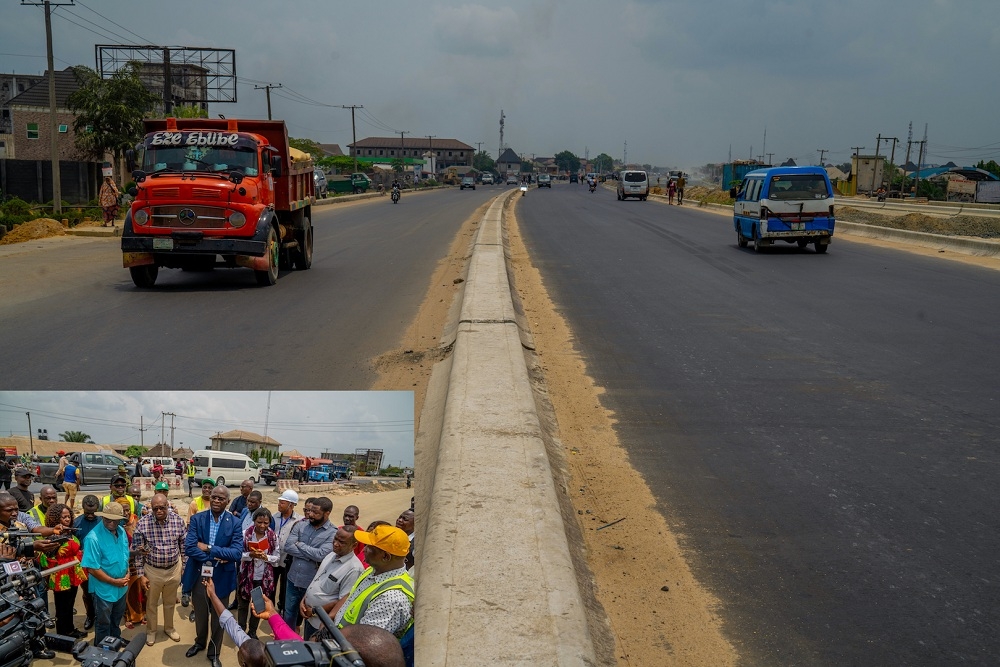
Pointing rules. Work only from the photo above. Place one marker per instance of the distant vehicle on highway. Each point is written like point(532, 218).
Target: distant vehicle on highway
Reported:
point(574, 178)
point(633, 183)
point(467, 182)
point(544, 181)
point(512, 180)
point(790, 204)
point(487, 179)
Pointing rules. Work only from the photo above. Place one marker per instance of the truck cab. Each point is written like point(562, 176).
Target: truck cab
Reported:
point(790, 204)
point(218, 189)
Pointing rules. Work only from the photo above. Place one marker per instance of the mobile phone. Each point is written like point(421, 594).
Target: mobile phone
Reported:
point(257, 597)
point(206, 571)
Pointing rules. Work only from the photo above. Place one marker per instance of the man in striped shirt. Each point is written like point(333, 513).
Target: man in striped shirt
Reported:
point(159, 542)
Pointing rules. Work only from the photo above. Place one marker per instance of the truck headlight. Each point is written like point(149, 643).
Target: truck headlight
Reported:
point(140, 217)
point(237, 219)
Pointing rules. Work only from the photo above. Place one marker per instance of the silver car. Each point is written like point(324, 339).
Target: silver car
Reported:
point(319, 181)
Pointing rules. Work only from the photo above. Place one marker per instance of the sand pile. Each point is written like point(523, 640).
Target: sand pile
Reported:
point(39, 228)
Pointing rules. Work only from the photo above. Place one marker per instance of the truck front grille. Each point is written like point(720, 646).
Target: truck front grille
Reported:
point(189, 217)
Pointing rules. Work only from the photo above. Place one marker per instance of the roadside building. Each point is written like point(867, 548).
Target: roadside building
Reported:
point(509, 163)
point(246, 442)
point(446, 152)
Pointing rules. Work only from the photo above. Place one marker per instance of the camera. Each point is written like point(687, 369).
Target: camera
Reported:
point(335, 652)
point(23, 614)
point(109, 652)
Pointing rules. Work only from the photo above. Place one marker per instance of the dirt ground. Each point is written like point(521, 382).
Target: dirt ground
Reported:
point(374, 502)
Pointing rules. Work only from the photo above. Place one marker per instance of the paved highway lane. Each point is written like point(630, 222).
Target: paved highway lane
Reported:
point(71, 319)
point(823, 430)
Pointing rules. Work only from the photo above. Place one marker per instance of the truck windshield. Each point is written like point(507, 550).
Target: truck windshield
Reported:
point(798, 186)
point(196, 158)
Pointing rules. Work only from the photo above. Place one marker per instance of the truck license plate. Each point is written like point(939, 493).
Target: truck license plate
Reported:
point(163, 244)
point(798, 226)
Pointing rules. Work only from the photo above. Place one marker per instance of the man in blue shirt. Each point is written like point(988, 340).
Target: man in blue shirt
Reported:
point(308, 544)
point(70, 484)
point(105, 556)
point(85, 523)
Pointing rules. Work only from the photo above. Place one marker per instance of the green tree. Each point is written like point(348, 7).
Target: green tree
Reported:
point(990, 166)
point(483, 162)
point(568, 162)
point(603, 163)
point(75, 436)
point(135, 451)
point(109, 112)
point(398, 165)
point(307, 146)
point(188, 111)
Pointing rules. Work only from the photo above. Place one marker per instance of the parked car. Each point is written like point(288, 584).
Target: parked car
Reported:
point(544, 181)
point(487, 179)
point(319, 179)
point(274, 473)
point(92, 468)
point(467, 182)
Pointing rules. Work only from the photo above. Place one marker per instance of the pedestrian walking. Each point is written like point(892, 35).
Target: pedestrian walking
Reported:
point(681, 182)
point(190, 470)
point(671, 191)
point(108, 200)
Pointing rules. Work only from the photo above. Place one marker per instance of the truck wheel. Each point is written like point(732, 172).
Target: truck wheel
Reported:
point(221, 481)
point(741, 240)
point(270, 276)
point(757, 245)
point(144, 276)
point(269, 482)
point(821, 247)
point(802, 243)
point(304, 255)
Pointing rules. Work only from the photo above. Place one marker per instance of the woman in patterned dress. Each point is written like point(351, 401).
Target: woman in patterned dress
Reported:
point(108, 199)
point(64, 583)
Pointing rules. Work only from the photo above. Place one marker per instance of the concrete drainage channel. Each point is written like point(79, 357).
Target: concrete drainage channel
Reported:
point(496, 581)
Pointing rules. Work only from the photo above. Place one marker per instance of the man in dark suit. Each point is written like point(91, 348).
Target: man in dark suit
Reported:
point(213, 539)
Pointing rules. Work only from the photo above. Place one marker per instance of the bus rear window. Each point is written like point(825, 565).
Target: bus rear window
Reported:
point(635, 176)
point(798, 186)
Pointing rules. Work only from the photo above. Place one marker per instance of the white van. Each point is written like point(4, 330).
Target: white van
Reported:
point(632, 183)
point(165, 461)
point(225, 468)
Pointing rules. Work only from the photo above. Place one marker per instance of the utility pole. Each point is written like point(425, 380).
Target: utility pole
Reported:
point(892, 158)
point(53, 119)
point(822, 151)
point(625, 159)
point(769, 158)
point(878, 141)
point(920, 163)
point(31, 439)
point(267, 88)
point(402, 143)
point(500, 152)
point(172, 415)
point(354, 135)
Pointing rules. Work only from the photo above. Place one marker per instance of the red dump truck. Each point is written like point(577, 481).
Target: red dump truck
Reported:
point(215, 193)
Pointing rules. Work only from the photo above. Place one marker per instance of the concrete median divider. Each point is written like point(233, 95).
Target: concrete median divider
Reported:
point(496, 584)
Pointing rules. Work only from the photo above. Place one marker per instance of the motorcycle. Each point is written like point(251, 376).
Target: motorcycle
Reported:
point(395, 195)
point(593, 187)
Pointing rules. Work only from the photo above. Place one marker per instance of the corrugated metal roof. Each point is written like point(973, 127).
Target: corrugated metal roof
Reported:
point(411, 143)
point(38, 95)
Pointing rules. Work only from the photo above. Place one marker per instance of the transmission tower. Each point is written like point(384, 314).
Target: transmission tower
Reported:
point(500, 152)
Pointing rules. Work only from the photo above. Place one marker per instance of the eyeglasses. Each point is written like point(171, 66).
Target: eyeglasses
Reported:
point(159, 508)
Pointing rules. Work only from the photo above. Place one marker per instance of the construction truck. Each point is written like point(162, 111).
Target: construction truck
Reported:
point(218, 193)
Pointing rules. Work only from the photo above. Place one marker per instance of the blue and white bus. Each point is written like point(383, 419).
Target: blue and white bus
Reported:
point(790, 204)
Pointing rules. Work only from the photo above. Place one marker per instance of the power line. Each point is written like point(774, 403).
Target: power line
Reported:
point(144, 40)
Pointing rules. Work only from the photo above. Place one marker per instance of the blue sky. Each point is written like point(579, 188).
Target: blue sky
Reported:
point(683, 83)
point(310, 421)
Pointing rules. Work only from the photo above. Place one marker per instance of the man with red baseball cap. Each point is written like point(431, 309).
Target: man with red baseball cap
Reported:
point(383, 594)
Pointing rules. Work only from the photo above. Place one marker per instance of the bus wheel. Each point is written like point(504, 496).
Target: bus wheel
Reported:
point(757, 245)
point(740, 239)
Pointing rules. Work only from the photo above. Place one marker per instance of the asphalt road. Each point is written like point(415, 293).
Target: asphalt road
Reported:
point(70, 317)
point(824, 430)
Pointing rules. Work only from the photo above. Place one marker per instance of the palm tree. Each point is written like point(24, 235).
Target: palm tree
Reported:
point(75, 436)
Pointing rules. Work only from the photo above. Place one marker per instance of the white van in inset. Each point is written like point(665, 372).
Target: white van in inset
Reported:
point(224, 468)
point(632, 183)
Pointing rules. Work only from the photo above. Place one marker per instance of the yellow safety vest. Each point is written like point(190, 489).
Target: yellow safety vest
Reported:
point(37, 514)
point(357, 609)
point(202, 503)
point(190, 471)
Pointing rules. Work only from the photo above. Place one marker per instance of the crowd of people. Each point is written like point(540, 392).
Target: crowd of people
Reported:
point(136, 557)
